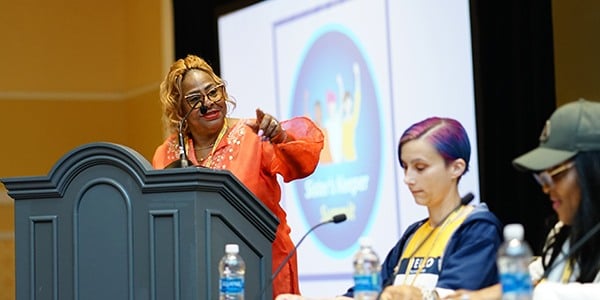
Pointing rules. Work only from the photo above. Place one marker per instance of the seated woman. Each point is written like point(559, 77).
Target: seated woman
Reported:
point(567, 166)
point(455, 246)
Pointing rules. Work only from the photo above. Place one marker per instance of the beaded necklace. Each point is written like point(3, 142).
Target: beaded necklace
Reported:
point(214, 145)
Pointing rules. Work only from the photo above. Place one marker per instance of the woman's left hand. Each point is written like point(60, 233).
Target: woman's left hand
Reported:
point(401, 292)
point(268, 128)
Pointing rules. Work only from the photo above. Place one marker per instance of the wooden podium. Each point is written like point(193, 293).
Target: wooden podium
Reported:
point(105, 225)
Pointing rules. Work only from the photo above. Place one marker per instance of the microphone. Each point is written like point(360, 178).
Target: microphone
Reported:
point(203, 108)
point(339, 218)
point(183, 161)
point(576, 246)
point(466, 199)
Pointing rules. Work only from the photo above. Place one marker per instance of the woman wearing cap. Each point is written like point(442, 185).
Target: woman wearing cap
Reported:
point(567, 166)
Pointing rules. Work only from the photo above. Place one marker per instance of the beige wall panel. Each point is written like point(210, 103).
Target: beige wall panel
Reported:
point(576, 26)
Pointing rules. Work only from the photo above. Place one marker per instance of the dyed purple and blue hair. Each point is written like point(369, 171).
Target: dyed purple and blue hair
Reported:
point(447, 136)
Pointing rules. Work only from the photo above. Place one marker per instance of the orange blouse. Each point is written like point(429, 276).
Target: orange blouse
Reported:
point(256, 164)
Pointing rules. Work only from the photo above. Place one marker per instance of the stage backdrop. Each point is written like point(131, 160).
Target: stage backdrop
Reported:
point(364, 70)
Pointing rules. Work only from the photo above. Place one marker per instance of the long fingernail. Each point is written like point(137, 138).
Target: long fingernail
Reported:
point(260, 132)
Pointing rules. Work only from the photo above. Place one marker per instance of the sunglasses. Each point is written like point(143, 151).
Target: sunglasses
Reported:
point(545, 178)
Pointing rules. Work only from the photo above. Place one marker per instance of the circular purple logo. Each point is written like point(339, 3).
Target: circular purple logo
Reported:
point(334, 87)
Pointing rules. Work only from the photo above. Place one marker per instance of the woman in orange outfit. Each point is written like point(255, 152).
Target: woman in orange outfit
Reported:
point(254, 150)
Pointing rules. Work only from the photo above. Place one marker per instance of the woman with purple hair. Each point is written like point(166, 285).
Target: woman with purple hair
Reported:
point(455, 246)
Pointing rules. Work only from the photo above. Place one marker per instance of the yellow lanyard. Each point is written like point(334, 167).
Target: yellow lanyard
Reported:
point(452, 217)
point(567, 271)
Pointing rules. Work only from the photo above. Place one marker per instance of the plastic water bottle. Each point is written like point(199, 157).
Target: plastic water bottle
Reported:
point(367, 275)
point(231, 270)
point(514, 257)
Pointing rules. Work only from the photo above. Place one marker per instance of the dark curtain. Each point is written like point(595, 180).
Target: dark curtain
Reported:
point(195, 25)
point(514, 88)
point(515, 94)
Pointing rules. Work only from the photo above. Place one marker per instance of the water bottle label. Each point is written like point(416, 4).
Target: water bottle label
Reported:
point(367, 283)
point(232, 285)
point(516, 283)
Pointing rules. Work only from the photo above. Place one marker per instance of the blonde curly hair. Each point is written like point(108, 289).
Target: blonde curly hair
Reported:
point(171, 96)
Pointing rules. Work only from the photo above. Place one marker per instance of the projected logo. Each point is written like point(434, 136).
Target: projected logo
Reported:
point(334, 87)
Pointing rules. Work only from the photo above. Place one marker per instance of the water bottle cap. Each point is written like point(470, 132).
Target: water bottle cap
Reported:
point(232, 248)
point(365, 241)
point(513, 231)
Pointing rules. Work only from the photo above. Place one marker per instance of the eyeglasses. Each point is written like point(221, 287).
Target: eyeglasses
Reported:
point(545, 179)
point(213, 95)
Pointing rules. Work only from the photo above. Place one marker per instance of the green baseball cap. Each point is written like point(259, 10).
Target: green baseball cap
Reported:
point(572, 128)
